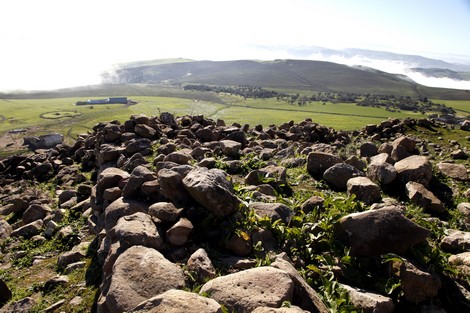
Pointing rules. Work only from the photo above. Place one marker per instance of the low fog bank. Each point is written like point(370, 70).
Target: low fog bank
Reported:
point(394, 67)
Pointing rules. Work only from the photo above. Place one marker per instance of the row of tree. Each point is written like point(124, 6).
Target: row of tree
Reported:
point(389, 102)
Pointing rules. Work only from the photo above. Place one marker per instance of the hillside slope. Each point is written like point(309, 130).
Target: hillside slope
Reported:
point(283, 74)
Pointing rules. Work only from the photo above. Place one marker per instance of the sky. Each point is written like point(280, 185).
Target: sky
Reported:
point(51, 44)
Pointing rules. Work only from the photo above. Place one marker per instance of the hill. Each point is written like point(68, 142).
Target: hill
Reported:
point(278, 74)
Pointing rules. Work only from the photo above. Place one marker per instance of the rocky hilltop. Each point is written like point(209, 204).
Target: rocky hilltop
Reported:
point(187, 214)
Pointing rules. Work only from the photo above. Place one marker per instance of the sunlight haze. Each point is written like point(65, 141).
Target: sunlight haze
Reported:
point(52, 44)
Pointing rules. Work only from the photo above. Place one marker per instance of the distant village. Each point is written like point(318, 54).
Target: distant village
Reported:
point(115, 100)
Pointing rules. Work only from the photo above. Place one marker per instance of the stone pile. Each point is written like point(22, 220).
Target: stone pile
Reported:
point(159, 180)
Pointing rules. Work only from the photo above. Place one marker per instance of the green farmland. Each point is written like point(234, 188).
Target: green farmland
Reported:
point(61, 115)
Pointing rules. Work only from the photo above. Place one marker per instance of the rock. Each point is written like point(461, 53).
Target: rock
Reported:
point(57, 281)
point(165, 211)
point(462, 262)
point(173, 301)
point(312, 203)
point(369, 302)
point(368, 149)
point(171, 184)
point(290, 309)
point(414, 168)
point(356, 162)
point(375, 232)
point(465, 125)
point(109, 178)
point(364, 189)
point(246, 290)
point(419, 195)
point(138, 274)
point(456, 240)
point(139, 175)
point(68, 258)
point(319, 162)
point(381, 169)
point(74, 266)
point(145, 131)
point(240, 243)
point(304, 295)
point(179, 233)
point(138, 145)
point(122, 207)
point(455, 171)
point(212, 190)
point(28, 230)
point(459, 154)
point(5, 230)
point(136, 229)
point(464, 208)
point(178, 157)
point(402, 148)
point(35, 212)
point(275, 211)
point(230, 148)
point(338, 175)
point(276, 176)
point(200, 263)
point(5, 293)
point(417, 285)
point(24, 305)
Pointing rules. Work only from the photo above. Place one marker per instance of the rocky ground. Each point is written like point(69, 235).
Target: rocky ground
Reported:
point(165, 214)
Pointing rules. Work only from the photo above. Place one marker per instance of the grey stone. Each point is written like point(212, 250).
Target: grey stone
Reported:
point(275, 211)
point(122, 207)
point(246, 290)
point(212, 190)
point(414, 168)
point(136, 229)
point(369, 302)
point(28, 230)
point(200, 263)
point(179, 233)
point(375, 232)
point(165, 211)
point(174, 301)
point(138, 274)
point(419, 195)
point(364, 189)
point(319, 162)
point(338, 175)
point(452, 170)
point(456, 240)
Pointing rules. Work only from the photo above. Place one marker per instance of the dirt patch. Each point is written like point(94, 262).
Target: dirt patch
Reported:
point(12, 142)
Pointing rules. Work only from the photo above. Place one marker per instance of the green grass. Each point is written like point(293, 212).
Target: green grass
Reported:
point(26, 113)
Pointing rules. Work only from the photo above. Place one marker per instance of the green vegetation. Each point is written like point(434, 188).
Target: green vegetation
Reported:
point(71, 120)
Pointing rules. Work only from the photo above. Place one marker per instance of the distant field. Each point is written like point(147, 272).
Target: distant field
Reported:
point(461, 106)
point(64, 117)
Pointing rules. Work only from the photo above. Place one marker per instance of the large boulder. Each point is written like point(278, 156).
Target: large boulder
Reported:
point(304, 295)
point(381, 169)
point(338, 175)
point(174, 301)
point(319, 162)
point(5, 230)
point(122, 207)
point(376, 232)
point(452, 170)
point(171, 184)
point(419, 195)
point(417, 284)
point(212, 190)
point(414, 168)
point(369, 302)
point(275, 211)
point(136, 229)
point(109, 178)
point(364, 189)
point(246, 290)
point(139, 274)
